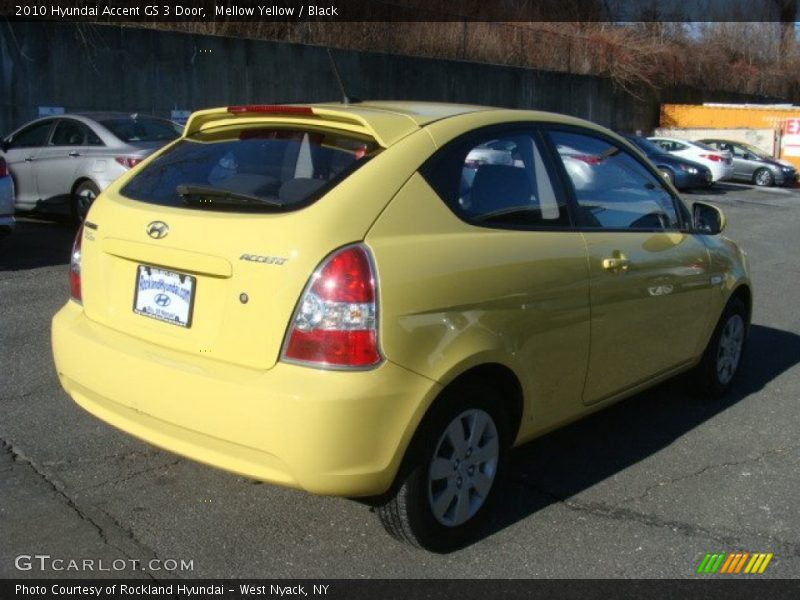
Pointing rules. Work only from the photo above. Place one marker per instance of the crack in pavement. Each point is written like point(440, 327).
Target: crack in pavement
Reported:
point(50, 386)
point(116, 456)
point(672, 480)
point(617, 513)
point(135, 474)
point(20, 458)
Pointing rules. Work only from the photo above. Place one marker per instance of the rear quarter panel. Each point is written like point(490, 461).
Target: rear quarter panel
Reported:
point(455, 296)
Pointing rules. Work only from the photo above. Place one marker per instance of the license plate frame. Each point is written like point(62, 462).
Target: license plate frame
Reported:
point(159, 289)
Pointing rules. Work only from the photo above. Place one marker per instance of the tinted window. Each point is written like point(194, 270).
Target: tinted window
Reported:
point(142, 129)
point(33, 135)
point(73, 133)
point(670, 146)
point(497, 180)
point(613, 189)
point(755, 151)
point(646, 145)
point(700, 145)
point(287, 167)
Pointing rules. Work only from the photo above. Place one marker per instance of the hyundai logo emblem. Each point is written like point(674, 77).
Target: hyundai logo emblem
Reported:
point(157, 230)
point(162, 300)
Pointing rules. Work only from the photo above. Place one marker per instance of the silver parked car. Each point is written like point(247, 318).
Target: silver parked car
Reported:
point(7, 221)
point(71, 158)
point(753, 165)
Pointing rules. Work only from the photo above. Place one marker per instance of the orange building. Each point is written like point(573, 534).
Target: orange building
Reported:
point(784, 119)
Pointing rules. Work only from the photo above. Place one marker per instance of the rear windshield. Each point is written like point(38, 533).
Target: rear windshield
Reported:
point(646, 145)
point(259, 168)
point(704, 146)
point(142, 129)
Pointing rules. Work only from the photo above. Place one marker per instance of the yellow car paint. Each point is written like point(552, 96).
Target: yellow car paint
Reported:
point(576, 331)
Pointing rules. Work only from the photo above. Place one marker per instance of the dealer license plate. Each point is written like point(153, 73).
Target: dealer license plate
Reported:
point(164, 295)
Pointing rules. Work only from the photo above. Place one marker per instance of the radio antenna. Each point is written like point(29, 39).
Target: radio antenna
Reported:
point(345, 98)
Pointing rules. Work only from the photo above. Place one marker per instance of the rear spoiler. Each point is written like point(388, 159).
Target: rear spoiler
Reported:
point(384, 127)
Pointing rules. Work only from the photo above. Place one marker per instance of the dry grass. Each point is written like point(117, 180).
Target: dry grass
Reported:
point(741, 57)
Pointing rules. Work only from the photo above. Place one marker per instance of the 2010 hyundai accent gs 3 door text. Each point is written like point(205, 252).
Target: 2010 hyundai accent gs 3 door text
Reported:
point(380, 299)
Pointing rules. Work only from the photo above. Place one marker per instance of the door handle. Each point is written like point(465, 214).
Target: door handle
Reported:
point(74, 153)
point(28, 159)
point(616, 263)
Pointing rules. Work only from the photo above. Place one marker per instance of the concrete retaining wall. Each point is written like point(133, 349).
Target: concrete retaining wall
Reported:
point(93, 67)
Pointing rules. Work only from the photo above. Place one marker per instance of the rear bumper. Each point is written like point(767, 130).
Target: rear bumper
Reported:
point(721, 171)
point(326, 432)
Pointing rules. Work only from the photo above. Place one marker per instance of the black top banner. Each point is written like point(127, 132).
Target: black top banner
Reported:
point(119, 11)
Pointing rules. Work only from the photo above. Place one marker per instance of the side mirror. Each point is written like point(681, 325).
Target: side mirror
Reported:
point(6, 144)
point(748, 156)
point(707, 219)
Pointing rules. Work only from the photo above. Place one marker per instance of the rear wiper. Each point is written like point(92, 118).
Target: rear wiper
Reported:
point(201, 195)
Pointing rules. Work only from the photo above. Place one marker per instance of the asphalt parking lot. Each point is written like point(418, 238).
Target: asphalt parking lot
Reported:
point(643, 489)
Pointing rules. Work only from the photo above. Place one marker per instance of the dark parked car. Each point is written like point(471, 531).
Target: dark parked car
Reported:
point(683, 174)
point(753, 165)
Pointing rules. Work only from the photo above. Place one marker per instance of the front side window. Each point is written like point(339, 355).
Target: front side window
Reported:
point(497, 180)
point(612, 188)
point(32, 136)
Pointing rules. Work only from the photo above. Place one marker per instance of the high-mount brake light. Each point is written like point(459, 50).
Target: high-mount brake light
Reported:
point(335, 324)
point(270, 108)
point(75, 267)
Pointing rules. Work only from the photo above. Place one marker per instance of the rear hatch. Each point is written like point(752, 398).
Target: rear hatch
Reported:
point(207, 246)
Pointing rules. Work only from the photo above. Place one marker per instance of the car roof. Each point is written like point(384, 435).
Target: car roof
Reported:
point(386, 121)
point(103, 115)
point(723, 140)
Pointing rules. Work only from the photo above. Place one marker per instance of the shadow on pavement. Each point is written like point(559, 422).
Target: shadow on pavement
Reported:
point(563, 463)
point(36, 243)
point(718, 189)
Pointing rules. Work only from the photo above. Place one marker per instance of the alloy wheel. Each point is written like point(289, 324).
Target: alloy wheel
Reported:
point(729, 350)
point(763, 178)
point(463, 468)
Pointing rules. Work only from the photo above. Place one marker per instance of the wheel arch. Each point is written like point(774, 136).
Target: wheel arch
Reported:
point(513, 406)
point(745, 294)
point(497, 375)
point(79, 181)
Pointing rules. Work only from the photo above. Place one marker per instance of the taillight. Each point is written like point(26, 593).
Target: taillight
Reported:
point(75, 267)
point(713, 157)
point(128, 161)
point(335, 323)
point(3, 167)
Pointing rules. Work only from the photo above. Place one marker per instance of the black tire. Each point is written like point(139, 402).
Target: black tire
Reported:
point(407, 511)
point(763, 178)
point(667, 174)
point(709, 379)
point(82, 199)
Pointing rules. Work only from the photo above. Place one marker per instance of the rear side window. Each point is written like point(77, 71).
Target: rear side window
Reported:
point(142, 129)
point(497, 180)
point(256, 169)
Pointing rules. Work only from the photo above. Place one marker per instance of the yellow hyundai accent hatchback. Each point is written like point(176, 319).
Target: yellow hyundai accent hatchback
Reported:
point(380, 299)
